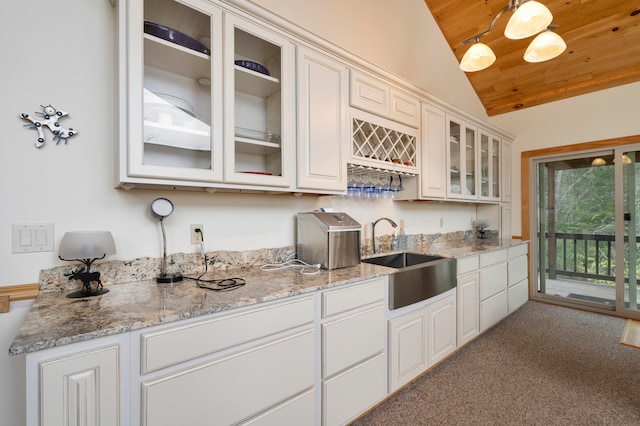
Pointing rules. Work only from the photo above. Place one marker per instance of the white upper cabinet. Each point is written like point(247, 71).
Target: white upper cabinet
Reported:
point(433, 153)
point(375, 96)
point(174, 126)
point(170, 92)
point(461, 159)
point(506, 171)
point(489, 158)
point(323, 126)
point(258, 112)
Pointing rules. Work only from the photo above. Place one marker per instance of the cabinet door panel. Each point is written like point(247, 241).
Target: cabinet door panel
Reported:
point(323, 131)
point(170, 122)
point(404, 108)
point(81, 390)
point(369, 94)
point(468, 308)
point(258, 106)
point(441, 333)
point(234, 388)
point(433, 153)
point(407, 348)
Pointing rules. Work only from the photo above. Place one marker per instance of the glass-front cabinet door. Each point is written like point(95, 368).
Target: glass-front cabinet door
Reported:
point(173, 92)
point(258, 106)
point(461, 159)
point(489, 154)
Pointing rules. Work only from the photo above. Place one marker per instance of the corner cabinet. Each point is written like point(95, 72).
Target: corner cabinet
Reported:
point(178, 62)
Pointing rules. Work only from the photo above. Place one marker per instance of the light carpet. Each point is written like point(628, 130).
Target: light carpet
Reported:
point(543, 365)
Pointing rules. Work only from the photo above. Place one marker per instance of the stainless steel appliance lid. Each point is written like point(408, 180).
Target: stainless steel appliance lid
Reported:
point(335, 221)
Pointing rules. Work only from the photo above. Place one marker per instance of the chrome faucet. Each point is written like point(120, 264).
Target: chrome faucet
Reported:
point(373, 231)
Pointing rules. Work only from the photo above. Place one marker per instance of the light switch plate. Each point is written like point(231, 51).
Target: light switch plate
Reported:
point(32, 237)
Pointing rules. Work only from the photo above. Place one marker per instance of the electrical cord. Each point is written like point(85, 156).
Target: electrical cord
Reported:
point(292, 263)
point(223, 284)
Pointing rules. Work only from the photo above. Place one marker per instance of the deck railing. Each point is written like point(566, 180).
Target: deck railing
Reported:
point(583, 256)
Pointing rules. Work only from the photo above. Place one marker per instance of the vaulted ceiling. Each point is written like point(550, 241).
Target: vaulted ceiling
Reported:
point(603, 50)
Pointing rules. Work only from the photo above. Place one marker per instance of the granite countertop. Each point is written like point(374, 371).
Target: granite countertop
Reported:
point(55, 320)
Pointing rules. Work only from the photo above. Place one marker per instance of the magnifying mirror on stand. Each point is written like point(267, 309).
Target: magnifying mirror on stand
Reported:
point(161, 208)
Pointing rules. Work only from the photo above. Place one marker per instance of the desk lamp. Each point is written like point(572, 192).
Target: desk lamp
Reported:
point(161, 208)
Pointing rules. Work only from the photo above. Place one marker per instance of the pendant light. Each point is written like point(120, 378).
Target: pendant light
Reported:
point(547, 45)
point(478, 57)
point(529, 18)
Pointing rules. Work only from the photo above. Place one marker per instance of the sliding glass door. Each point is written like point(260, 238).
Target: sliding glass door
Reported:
point(587, 229)
point(629, 227)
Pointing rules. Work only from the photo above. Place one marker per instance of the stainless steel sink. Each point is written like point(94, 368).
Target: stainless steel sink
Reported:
point(417, 277)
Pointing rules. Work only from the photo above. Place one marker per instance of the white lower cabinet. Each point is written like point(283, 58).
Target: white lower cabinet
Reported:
point(353, 346)
point(246, 365)
point(78, 385)
point(234, 388)
point(420, 338)
point(468, 299)
point(518, 290)
point(490, 286)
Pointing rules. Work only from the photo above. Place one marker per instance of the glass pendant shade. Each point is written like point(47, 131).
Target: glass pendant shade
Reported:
point(528, 19)
point(547, 45)
point(478, 57)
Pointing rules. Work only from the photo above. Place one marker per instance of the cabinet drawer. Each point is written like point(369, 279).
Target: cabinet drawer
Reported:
point(518, 295)
point(493, 310)
point(229, 390)
point(519, 250)
point(493, 257)
point(467, 264)
point(182, 343)
point(518, 270)
point(353, 392)
point(351, 340)
point(493, 281)
point(296, 411)
point(352, 297)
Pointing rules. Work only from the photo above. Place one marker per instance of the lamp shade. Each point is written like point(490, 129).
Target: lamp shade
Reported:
point(478, 57)
point(528, 19)
point(86, 245)
point(547, 45)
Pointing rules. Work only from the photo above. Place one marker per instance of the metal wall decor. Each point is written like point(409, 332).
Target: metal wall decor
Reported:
point(50, 117)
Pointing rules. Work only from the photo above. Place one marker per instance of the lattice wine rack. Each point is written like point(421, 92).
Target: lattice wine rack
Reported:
point(386, 148)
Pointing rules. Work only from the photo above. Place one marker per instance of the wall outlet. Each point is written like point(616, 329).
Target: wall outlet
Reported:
point(196, 237)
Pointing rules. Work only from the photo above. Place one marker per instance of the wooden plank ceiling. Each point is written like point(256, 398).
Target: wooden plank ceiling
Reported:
point(603, 50)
